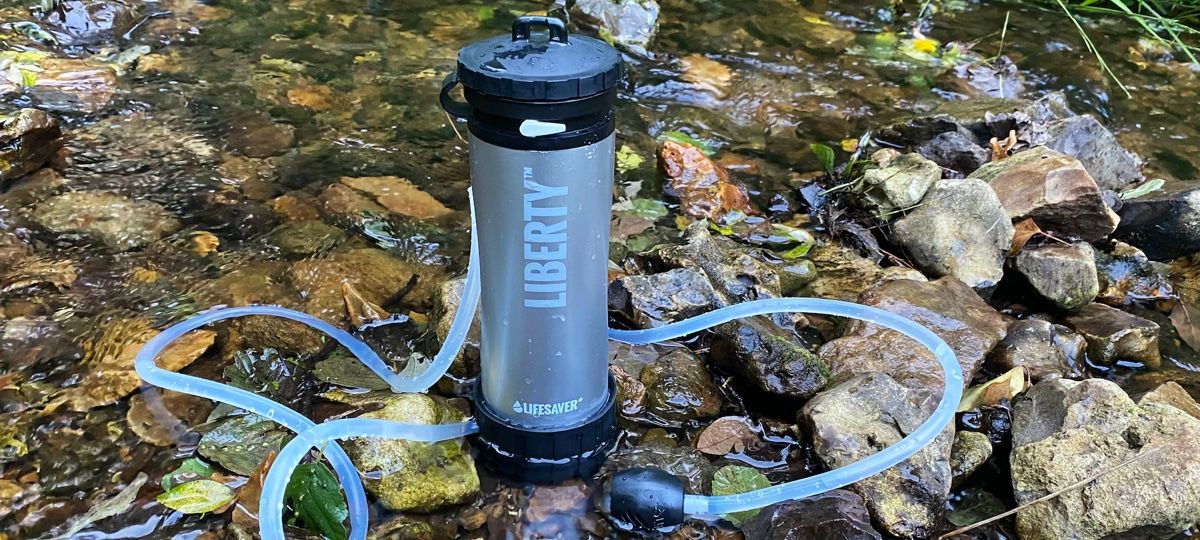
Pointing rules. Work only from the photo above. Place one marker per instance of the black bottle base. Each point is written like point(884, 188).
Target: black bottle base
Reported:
point(543, 457)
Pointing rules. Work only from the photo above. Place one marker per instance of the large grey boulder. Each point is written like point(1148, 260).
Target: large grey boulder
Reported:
point(1067, 431)
point(630, 23)
point(961, 230)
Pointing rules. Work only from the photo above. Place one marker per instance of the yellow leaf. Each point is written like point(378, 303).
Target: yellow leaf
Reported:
point(925, 45)
point(850, 145)
point(995, 391)
point(813, 19)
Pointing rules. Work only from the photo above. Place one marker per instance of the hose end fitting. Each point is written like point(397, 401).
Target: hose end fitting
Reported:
point(646, 499)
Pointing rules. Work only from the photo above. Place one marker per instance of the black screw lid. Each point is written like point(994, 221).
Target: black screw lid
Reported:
point(518, 68)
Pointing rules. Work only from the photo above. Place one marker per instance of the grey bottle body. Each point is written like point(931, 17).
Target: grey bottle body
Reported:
point(543, 219)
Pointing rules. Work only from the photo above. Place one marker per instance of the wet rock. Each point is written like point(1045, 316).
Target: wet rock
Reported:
point(955, 151)
point(1052, 188)
point(466, 363)
point(1065, 431)
point(1086, 139)
point(654, 300)
point(120, 223)
point(996, 79)
point(833, 515)
point(32, 189)
point(1165, 224)
point(66, 85)
point(794, 26)
point(416, 477)
point(946, 306)
point(28, 139)
point(706, 74)
point(702, 186)
point(340, 201)
point(258, 136)
point(901, 182)
point(400, 196)
point(770, 357)
point(294, 208)
point(1063, 274)
point(305, 238)
point(1171, 394)
point(1126, 276)
point(970, 451)
point(630, 23)
point(860, 416)
point(679, 388)
point(233, 216)
point(374, 273)
point(737, 273)
point(84, 22)
point(1046, 349)
point(685, 462)
point(1114, 335)
point(842, 274)
point(959, 230)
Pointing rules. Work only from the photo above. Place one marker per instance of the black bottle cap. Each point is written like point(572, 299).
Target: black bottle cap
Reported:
point(519, 68)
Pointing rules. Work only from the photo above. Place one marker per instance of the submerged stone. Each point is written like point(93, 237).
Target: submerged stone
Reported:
point(679, 388)
point(833, 515)
point(120, 223)
point(960, 230)
point(28, 139)
point(1046, 349)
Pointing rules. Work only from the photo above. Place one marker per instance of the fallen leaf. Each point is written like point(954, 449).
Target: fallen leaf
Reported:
point(1000, 149)
point(1186, 320)
point(361, 310)
point(197, 497)
point(730, 434)
point(239, 443)
point(973, 506)
point(316, 497)
point(190, 469)
point(996, 391)
point(1026, 229)
point(628, 159)
point(116, 505)
point(204, 242)
point(245, 509)
point(734, 479)
point(343, 369)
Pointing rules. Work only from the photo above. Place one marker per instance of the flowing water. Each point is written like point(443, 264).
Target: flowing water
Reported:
point(244, 113)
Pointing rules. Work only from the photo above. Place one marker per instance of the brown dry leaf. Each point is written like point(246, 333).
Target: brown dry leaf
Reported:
point(400, 196)
point(204, 242)
point(1000, 149)
point(109, 362)
point(726, 435)
point(702, 186)
point(570, 498)
point(164, 426)
point(1186, 320)
point(361, 310)
point(624, 225)
point(245, 507)
point(996, 391)
point(630, 390)
point(1026, 229)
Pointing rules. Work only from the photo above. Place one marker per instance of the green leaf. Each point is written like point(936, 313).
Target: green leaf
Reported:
point(316, 498)
point(190, 469)
point(197, 497)
point(973, 506)
point(343, 369)
point(824, 155)
point(683, 138)
point(648, 208)
point(796, 252)
point(628, 159)
point(734, 479)
point(486, 13)
point(239, 443)
point(1145, 188)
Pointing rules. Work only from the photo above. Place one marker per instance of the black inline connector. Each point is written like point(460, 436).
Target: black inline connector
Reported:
point(646, 499)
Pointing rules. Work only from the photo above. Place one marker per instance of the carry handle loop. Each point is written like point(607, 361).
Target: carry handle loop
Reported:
point(557, 28)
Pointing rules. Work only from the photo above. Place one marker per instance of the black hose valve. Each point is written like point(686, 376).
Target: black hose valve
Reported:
point(646, 499)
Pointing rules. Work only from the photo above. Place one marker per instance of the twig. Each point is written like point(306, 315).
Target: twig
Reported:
point(454, 127)
point(1071, 487)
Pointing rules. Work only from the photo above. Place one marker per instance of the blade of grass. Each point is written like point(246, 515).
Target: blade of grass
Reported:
point(1091, 47)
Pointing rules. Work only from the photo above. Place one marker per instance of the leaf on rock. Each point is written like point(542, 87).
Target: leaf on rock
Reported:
point(726, 435)
point(190, 469)
point(1026, 229)
point(1186, 320)
point(240, 443)
point(734, 479)
point(343, 369)
point(116, 505)
point(316, 498)
point(197, 497)
point(994, 392)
